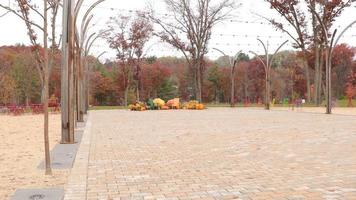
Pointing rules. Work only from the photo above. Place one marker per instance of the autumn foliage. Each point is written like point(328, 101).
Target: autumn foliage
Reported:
point(170, 77)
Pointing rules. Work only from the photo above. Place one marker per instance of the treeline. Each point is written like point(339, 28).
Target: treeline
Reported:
point(170, 77)
point(20, 82)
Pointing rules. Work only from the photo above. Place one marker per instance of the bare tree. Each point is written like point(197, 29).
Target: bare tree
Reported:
point(24, 11)
point(129, 37)
point(190, 29)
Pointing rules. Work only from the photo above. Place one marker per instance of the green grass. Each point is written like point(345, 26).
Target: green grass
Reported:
point(340, 103)
point(344, 103)
point(225, 105)
point(108, 108)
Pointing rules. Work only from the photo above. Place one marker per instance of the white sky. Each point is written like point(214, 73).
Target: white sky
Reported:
point(228, 36)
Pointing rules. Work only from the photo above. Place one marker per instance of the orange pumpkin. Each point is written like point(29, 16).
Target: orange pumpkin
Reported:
point(199, 106)
point(165, 108)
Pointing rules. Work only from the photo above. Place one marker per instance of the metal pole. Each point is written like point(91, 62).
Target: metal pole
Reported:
point(233, 62)
point(267, 66)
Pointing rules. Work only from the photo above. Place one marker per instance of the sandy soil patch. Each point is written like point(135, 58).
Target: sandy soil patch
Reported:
point(21, 151)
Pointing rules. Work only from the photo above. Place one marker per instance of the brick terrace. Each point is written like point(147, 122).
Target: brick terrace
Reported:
point(218, 153)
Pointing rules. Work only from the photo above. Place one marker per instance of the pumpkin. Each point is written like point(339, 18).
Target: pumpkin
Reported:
point(173, 103)
point(158, 102)
point(138, 106)
point(165, 107)
point(199, 107)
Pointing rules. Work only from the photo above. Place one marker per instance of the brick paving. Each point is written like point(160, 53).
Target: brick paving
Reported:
point(216, 154)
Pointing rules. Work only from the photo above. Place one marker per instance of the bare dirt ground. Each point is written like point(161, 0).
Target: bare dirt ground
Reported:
point(221, 153)
point(21, 151)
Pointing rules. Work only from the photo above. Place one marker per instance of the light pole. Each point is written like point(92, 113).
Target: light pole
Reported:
point(233, 62)
point(88, 69)
point(72, 83)
point(267, 64)
point(330, 44)
point(80, 57)
point(67, 79)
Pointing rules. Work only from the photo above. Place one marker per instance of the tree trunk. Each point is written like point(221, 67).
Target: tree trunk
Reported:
point(199, 81)
point(195, 84)
point(307, 75)
point(232, 101)
point(246, 91)
point(320, 76)
point(316, 76)
point(138, 89)
point(43, 93)
point(267, 95)
point(328, 95)
point(126, 96)
point(27, 101)
point(46, 93)
point(317, 47)
point(138, 92)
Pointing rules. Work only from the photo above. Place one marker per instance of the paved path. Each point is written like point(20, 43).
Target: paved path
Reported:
point(216, 154)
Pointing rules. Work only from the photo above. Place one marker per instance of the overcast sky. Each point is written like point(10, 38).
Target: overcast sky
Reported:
point(229, 36)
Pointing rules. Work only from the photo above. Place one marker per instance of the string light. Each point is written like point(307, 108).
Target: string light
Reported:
point(217, 35)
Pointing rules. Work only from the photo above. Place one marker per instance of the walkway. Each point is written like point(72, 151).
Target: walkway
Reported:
point(216, 154)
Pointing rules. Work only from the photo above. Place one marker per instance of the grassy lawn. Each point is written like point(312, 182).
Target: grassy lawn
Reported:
point(344, 103)
point(107, 108)
point(340, 103)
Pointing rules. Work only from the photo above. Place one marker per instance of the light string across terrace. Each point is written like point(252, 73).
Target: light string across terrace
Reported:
point(282, 36)
point(134, 11)
point(216, 37)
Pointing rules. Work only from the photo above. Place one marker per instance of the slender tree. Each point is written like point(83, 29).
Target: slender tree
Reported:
point(189, 31)
point(24, 10)
point(129, 37)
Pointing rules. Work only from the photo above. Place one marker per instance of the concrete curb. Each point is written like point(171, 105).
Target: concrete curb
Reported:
point(76, 187)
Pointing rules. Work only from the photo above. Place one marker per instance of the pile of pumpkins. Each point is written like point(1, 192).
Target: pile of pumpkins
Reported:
point(138, 106)
point(194, 105)
point(159, 104)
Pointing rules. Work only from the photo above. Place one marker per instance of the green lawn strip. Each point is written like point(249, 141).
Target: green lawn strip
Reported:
point(340, 103)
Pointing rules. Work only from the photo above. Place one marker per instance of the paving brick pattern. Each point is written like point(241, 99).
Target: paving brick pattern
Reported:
point(223, 153)
point(76, 188)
